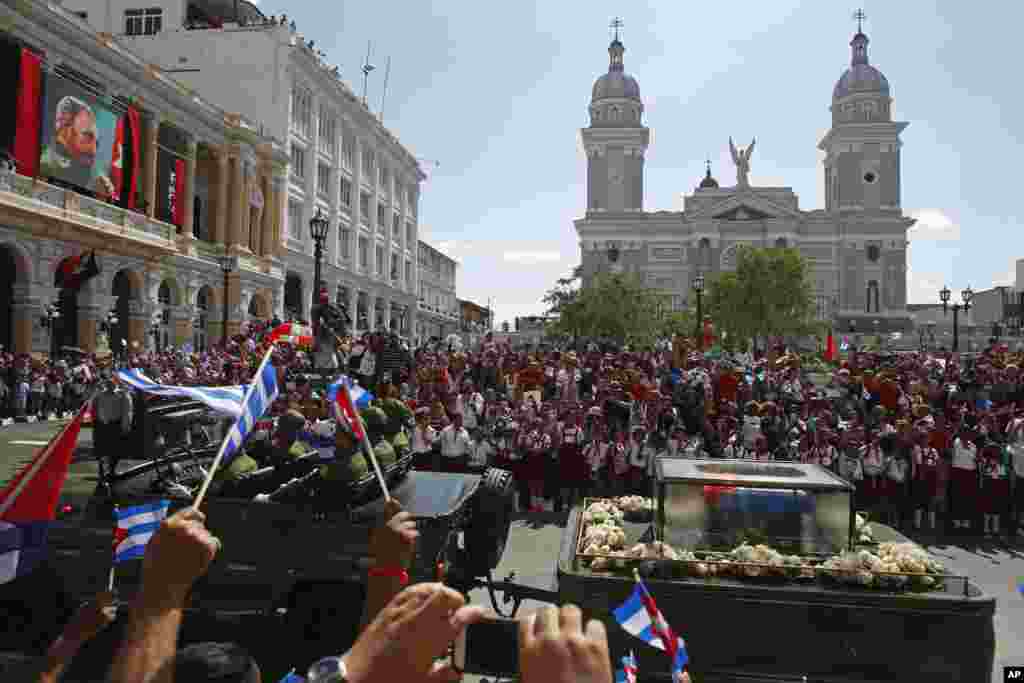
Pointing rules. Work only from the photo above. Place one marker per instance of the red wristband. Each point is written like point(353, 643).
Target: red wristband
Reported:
point(391, 572)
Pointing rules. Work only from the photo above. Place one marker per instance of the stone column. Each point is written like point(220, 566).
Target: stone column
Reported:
point(371, 311)
point(237, 202)
point(187, 223)
point(413, 308)
point(88, 325)
point(353, 301)
point(138, 322)
point(278, 206)
point(261, 229)
point(27, 334)
point(149, 159)
point(181, 317)
point(234, 299)
point(220, 226)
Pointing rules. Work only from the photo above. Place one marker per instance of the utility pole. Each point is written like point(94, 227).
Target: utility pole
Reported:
point(367, 68)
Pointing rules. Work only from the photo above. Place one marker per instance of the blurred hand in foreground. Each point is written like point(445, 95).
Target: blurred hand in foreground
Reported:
point(555, 647)
point(409, 634)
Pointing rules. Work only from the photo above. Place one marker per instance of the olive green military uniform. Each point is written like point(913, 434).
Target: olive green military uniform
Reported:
point(398, 416)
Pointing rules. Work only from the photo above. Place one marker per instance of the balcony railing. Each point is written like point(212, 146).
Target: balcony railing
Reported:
point(65, 204)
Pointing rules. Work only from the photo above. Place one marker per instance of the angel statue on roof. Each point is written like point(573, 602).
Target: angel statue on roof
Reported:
point(741, 157)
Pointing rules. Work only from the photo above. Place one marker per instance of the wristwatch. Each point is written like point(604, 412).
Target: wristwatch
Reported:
point(328, 670)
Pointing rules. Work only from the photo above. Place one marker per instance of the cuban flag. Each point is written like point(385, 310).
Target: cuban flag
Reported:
point(628, 672)
point(639, 616)
point(135, 526)
point(349, 398)
point(261, 394)
point(29, 503)
point(224, 400)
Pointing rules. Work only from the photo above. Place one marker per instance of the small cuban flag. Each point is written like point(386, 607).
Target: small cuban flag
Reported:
point(628, 672)
point(349, 398)
point(639, 616)
point(135, 526)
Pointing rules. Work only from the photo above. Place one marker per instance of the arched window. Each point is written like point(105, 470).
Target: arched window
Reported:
point(704, 253)
point(871, 297)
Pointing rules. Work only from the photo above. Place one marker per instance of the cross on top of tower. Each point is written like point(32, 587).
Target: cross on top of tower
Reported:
point(615, 26)
point(860, 17)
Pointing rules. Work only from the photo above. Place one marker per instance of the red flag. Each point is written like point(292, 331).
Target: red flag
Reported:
point(117, 172)
point(33, 493)
point(830, 348)
point(29, 116)
point(345, 408)
point(134, 169)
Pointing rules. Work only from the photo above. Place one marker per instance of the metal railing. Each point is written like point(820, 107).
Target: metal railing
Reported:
point(67, 204)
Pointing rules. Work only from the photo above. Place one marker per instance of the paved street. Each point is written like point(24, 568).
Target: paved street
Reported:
point(534, 543)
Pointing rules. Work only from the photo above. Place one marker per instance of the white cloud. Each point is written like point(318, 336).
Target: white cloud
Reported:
point(530, 258)
point(933, 225)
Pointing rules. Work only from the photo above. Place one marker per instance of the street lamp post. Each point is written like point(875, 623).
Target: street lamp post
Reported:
point(51, 318)
point(154, 329)
point(318, 227)
point(944, 297)
point(227, 264)
point(698, 288)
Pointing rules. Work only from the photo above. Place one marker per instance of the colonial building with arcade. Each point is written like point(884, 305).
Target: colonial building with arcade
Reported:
point(345, 165)
point(856, 245)
point(134, 209)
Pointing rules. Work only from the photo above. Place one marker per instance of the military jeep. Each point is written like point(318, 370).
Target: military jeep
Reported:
point(300, 558)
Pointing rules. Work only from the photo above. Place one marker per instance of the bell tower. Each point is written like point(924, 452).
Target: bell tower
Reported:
point(616, 140)
point(862, 149)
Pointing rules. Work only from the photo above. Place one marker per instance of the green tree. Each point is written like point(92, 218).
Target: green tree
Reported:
point(769, 294)
point(615, 306)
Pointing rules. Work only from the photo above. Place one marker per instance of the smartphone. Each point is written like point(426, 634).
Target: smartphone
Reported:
point(489, 647)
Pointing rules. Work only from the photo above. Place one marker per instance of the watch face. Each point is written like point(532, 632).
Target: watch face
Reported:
point(327, 670)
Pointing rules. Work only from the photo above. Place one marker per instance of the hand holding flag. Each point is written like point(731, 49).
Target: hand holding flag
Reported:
point(258, 398)
point(346, 397)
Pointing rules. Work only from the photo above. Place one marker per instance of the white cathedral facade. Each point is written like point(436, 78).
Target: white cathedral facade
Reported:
point(856, 246)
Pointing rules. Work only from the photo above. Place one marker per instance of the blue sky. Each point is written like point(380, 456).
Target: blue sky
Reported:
point(497, 92)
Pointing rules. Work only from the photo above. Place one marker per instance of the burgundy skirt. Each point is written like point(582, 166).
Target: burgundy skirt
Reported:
point(573, 468)
point(995, 495)
point(965, 490)
point(868, 491)
point(533, 466)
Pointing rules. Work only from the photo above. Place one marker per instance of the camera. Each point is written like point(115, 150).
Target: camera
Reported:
point(489, 647)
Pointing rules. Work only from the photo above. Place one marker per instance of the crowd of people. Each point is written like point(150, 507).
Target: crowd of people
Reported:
point(931, 440)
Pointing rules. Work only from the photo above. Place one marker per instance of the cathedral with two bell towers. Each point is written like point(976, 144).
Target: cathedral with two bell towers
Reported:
point(856, 246)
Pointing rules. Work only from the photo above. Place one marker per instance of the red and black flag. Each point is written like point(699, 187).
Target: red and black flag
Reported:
point(75, 271)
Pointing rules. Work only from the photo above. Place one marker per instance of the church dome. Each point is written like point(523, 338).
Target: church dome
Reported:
point(708, 182)
point(861, 77)
point(616, 84)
